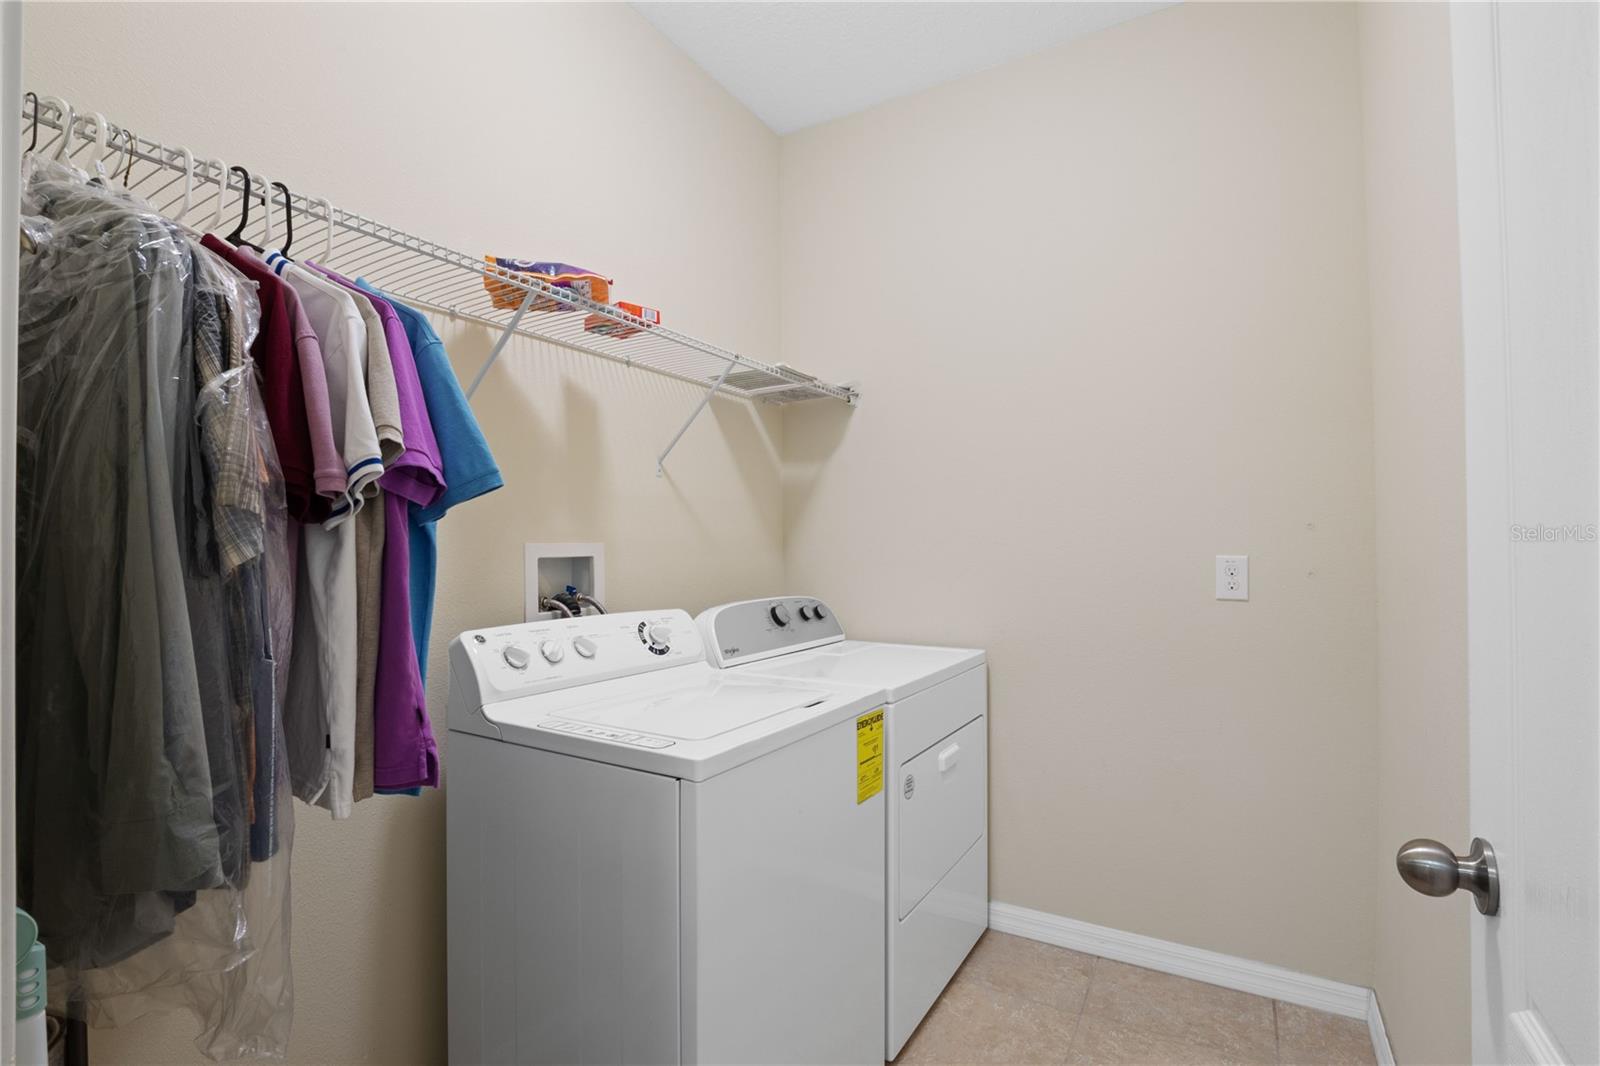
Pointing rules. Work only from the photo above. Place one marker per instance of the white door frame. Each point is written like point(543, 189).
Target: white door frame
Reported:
point(10, 146)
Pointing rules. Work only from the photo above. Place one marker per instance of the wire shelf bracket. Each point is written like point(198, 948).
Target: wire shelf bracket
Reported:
point(179, 183)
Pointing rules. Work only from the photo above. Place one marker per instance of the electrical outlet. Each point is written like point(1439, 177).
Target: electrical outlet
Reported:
point(1233, 577)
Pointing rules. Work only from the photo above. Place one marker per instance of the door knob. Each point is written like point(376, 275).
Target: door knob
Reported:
point(1434, 870)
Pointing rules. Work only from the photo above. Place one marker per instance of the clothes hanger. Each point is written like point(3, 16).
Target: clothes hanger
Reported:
point(222, 189)
point(69, 118)
point(288, 218)
point(127, 171)
point(98, 121)
point(114, 141)
point(268, 241)
point(236, 238)
point(188, 182)
point(33, 141)
point(177, 218)
point(327, 233)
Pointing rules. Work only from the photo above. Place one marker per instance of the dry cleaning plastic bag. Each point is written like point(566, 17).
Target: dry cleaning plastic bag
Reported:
point(154, 826)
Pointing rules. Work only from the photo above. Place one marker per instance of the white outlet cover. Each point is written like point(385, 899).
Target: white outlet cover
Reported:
point(1233, 577)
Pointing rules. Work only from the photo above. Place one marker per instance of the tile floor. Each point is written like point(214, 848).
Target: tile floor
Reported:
point(1020, 1001)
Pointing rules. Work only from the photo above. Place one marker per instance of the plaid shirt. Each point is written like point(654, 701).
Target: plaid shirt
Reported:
point(227, 432)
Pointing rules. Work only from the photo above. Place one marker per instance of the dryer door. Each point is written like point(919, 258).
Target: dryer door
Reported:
point(940, 792)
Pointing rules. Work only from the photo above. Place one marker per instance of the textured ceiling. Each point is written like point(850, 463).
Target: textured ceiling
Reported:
point(798, 64)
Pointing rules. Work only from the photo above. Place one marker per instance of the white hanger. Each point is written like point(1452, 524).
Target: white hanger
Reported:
point(188, 181)
point(222, 188)
point(99, 141)
point(68, 118)
point(266, 205)
point(327, 234)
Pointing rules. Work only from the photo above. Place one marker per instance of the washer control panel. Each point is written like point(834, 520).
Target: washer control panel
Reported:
point(759, 629)
point(529, 658)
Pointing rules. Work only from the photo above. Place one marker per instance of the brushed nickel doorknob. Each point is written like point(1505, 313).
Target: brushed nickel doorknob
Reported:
point(1434, 870)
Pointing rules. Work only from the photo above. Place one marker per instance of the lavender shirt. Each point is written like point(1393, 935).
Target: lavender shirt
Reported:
point(328, 464)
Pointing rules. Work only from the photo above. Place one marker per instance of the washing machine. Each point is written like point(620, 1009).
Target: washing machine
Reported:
point(936, 857)
point(654, 861)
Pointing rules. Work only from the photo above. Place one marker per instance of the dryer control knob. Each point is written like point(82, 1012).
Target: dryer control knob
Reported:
point(805, 613)
point(515, 657)
point(661, 634)
point(552, 651)
point(585, 647)
point(817, 612)
point(780, 614)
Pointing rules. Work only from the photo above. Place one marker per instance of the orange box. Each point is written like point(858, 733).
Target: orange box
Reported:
point(605, 326)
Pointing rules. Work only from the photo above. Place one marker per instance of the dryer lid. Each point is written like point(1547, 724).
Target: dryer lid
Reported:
point(901, 670)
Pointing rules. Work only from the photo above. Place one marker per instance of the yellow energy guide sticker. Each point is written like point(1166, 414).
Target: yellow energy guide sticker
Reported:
point(869, 755)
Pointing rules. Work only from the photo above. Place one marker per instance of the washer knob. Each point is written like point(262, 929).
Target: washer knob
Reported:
point(817, 612)
point(515, 657)
point(780, 614)
point(585, 647)
point(661, 634)
point(805, 613)
point(552, 651)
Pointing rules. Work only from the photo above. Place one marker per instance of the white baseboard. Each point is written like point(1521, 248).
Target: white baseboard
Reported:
point(1212, 967)
point(1380, 1036)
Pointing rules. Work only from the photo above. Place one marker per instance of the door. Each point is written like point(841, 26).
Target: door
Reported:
point(1525, 97)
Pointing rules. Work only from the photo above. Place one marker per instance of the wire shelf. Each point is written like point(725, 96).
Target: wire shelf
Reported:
point(415, 270)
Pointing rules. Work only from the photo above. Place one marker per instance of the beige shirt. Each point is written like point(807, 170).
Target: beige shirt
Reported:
point(383, 397)
point(370, 532)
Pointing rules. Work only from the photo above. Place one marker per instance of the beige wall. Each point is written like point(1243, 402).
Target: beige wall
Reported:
point(1117, 308)
point(1108, 307)
point(402, 112)
point(1421, 959)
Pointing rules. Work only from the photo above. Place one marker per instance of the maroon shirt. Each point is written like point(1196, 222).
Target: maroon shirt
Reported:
point(278, 368)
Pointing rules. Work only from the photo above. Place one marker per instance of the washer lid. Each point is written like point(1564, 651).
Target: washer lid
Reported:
point(899, 669)
point(689, 721)
point(697, 708)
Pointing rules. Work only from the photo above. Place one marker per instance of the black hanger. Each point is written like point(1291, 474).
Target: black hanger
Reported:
point(288, 217)
point(237, 236)
point(127, 171)
point(34, 143)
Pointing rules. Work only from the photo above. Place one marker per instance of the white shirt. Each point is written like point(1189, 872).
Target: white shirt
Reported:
point(324, 667)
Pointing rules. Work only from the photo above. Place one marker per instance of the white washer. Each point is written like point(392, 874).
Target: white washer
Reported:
point(651, 861)
point(937, 849)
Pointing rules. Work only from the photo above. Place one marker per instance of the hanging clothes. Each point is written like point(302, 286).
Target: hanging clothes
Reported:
point(149, 736)
point(230, 468)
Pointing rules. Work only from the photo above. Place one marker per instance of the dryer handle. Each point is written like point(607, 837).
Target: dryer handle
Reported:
point(947, 758)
